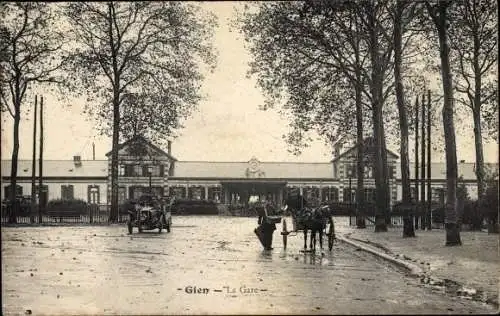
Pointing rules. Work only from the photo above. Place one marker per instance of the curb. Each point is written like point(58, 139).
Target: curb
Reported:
point(413, 269)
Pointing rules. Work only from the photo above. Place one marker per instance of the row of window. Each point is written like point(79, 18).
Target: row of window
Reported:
point(67, 192)
point(141, 170)
point(351, 171)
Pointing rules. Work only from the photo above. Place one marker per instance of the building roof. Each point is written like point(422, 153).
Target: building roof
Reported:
point(466, 170)
point(369, 147)
point(59, 168)
point(263, 170)
point(224, 170)
point(142, 140)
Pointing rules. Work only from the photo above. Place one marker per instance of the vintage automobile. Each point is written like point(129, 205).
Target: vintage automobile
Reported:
point(149, 213)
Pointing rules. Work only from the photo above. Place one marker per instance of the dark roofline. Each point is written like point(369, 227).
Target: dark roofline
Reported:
point(45, 160)
point(142, 138)
point(262, 162)
point(354, 147)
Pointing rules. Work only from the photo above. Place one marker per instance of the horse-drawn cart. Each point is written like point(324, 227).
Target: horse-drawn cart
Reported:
point(316, 220)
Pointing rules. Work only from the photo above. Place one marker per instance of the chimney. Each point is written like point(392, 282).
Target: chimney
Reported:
point(77, 160)
point(462, 161)
point(169, 147)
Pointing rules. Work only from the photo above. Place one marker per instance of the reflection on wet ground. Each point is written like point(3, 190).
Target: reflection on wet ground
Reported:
point(211, 265)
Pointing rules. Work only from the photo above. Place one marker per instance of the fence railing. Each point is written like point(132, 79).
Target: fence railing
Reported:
point(396, 222)
point(90, 214)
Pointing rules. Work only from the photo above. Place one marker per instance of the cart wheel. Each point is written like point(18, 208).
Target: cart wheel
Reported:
point(285, 234)
point(140, 229)
point(331, 234)
point(129, 226)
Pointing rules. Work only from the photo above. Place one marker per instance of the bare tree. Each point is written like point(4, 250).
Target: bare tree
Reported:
point(151, 50)
point(474, 57)
point(31, 49)
point(402, 15)
point(438, 12)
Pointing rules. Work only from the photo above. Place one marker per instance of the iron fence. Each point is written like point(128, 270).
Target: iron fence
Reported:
point(90, 214)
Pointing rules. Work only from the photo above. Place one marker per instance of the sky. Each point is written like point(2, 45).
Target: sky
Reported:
point(226, 126)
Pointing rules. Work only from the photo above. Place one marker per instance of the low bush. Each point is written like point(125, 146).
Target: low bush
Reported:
point(61, 207)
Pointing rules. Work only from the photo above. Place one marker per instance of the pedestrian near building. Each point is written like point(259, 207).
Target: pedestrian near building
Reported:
point(266, 227)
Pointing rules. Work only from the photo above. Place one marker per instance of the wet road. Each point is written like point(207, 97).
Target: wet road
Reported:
point(102, 270)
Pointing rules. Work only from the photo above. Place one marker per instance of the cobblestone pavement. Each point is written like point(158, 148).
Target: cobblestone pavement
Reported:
point(206, 265)
point(474, 265)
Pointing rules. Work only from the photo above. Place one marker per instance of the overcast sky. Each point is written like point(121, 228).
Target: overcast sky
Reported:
point(227, 125)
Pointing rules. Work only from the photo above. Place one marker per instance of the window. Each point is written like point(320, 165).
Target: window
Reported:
point(196, 193)
point(350, 171)
point(349, 197)
point(137, 171)
point(19, 191)
point(330, 194)
point(93, 194)
point(121, 195)
point(67, 192)
point(214, 194)
point(155, 170)
point(121, 170)
point(178, 192)
point(392, 172)
point(368, 172)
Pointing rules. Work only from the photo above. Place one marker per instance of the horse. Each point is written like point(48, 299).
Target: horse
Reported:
point(309, 218)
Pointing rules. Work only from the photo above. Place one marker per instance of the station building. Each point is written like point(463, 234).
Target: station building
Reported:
point(144, 166)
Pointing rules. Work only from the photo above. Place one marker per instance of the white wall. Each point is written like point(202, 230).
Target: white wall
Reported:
point(80, 188)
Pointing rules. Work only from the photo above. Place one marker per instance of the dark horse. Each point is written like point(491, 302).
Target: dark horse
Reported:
point(308, 218)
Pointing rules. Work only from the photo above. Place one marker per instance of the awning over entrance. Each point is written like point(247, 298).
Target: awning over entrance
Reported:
point(239, 191)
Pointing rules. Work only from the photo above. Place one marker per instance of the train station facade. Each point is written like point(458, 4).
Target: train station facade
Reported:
point(143, 166)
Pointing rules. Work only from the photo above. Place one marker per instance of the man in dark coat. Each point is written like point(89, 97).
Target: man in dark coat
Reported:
point(266, 227)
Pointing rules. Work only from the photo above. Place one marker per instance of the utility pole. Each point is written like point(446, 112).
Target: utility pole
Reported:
point(41, 200)
point(33, 166)
point(422, 169)
point(429, 192)
point(93, 151)
point(416, 164)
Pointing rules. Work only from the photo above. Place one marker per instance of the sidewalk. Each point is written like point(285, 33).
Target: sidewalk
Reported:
point(471, 270)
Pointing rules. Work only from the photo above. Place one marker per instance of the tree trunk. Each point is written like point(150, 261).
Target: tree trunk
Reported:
point(408, 229)
point(452, 229)
point(14, 205)
point(429, 192)
point(478, 140)
point(423, 206)
point(33, 165)
point(360, 196)
point(113, 216)
point(385, 169)
point(417, 197)
point(376, 87)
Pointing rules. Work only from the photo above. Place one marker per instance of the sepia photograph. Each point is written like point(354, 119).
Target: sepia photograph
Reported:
point(249, 157)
